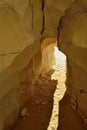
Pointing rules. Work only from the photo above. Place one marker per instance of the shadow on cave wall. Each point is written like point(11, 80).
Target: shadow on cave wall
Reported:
point(68, 118)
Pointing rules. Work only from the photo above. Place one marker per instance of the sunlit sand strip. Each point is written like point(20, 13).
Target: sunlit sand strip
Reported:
point(60, 75)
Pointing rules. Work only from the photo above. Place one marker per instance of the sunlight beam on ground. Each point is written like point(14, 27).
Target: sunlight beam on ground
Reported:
point(60, 75)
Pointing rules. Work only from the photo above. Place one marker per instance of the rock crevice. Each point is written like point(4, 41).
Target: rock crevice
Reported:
point(24, 24)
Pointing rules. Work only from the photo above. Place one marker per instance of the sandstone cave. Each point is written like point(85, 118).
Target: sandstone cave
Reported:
point(41, 88)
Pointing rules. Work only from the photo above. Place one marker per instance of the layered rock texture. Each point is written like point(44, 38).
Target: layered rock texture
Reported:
point(23, 26)
point(73, 42)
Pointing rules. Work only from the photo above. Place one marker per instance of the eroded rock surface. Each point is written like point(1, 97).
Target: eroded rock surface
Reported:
point(23, 25)
point(19, 55)
point(73, 42)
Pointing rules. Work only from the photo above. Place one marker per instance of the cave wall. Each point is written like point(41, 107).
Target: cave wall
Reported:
point(23, 26)
point(48, 58)
point(19, 55)
point(73, 42)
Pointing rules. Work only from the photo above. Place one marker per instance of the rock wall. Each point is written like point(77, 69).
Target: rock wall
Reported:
point(53, 10)
point(23, 26)
point(73, 42)
point(19, 55)
point(47, 49)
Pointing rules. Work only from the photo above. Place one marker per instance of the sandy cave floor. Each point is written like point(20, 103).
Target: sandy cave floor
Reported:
point(43, 105)
point(46, 110)
point(43, 110)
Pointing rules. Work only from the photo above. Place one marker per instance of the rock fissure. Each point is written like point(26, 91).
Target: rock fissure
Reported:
point(30, 2)
point(11, 53)
point(43, 24)
point(80, 12)
point(32, 16)
point(24, 53)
